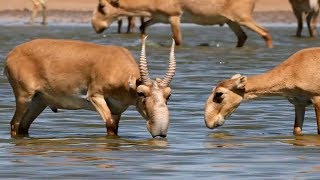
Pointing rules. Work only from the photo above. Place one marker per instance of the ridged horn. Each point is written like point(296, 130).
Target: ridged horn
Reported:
point(171, 67)
point(143, 66)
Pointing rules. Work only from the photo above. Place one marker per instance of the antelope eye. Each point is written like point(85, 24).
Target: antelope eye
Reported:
point(168, 96)
point(218, 95)
point(101, 5)
point(141, 94)
point(100, 8)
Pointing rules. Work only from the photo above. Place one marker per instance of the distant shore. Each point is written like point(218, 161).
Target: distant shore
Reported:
point(84, 16)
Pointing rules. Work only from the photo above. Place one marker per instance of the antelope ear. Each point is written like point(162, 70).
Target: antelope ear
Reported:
point(132, 82)
point(241, 82)
point(102, 2)
point(114, 3)
point(236, 76)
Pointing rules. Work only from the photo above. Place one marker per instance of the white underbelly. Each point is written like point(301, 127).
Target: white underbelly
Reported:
point(74, 102)
point(314, 4)
point(68, 102)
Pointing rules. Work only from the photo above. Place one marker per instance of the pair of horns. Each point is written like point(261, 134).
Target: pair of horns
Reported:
point(143, 67)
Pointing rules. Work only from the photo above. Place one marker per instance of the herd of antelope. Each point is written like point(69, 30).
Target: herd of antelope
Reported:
point(107, 79)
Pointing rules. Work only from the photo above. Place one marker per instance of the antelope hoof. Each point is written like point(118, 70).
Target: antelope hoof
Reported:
point(297, 131)
point(112, 133)
point(14, 128)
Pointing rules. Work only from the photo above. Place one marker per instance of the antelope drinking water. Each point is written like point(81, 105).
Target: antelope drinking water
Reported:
point(70, 74)
point(297, 79)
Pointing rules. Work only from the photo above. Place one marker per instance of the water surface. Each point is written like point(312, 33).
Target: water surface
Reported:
point(255, 142)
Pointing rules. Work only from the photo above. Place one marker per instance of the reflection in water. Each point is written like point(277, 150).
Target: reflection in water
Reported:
point(314, 169)
point(304, 140)
point(220, 136)
point(46, 147)
point(222, 140)
point(75, 151)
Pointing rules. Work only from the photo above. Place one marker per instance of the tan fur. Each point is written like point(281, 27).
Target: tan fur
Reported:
point(68, 74)
point(39, 5)
point(203, 12)
point(297, 79)
point(311, 9)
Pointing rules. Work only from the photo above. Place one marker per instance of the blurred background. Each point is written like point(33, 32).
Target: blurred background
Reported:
point(79, 11)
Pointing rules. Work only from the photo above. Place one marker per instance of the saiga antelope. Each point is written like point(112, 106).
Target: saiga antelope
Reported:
point(297, 79)
point(235, 13)
point(311, 9)
point(131, 23)
point(68, 74)
point(37, 5)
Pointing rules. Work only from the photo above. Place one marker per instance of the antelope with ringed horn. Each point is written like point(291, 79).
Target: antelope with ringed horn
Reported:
point(69, 74)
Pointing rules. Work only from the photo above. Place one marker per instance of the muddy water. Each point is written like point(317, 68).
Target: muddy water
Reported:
point(255, 142)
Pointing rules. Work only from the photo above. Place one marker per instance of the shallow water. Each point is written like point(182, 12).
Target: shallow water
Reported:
point(255, 142)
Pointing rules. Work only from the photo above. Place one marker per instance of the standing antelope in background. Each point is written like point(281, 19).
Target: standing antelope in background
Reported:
point(130, 26)
point(235, 13)
point(37, 5)
point(71, 74)
point(131, 23)
point(311, 8)
point(297, 79)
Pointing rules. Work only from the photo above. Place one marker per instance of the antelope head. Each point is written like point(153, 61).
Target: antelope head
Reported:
point(224, 100)
point(153, 95)
point(105, 13)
